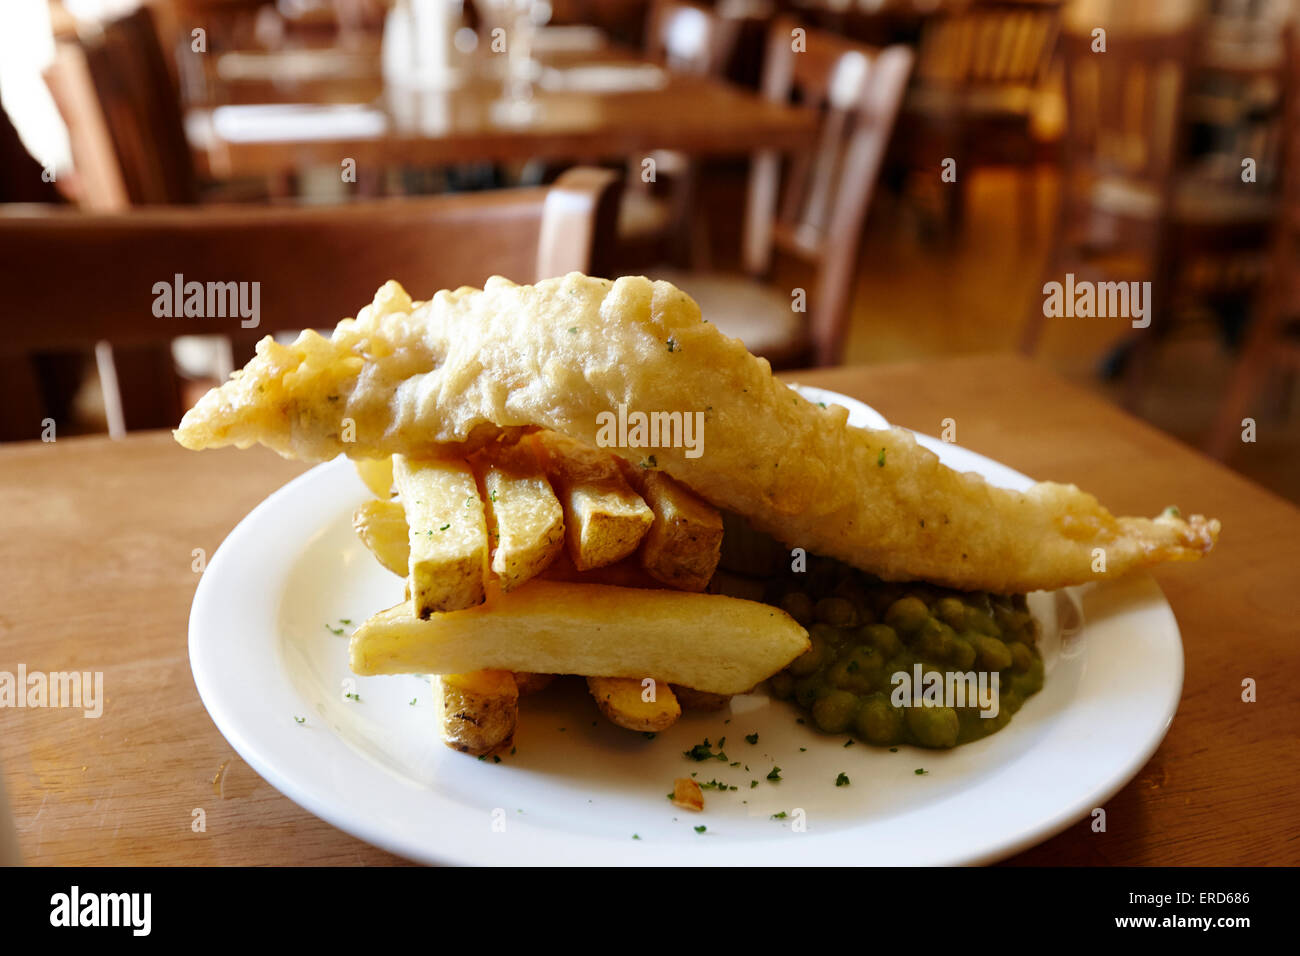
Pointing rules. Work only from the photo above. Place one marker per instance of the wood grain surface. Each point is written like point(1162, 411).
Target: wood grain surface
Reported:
point(96, 553)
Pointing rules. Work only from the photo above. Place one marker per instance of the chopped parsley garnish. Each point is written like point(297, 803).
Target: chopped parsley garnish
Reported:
point(300, 720)
point(751, 738)
point(780, 816)
point(445, 527)
point(573, 328)
point(701, 828)
point(775, 775)
point(849, 742)
point(334, 630)
point(413, 700)
point(635, 836)
point(496, 758)
point(842, 780)
point(356, 697)
point(919, 772)
point(880, 459)
point(753, 784)
point(704, 751)
point(672, 344)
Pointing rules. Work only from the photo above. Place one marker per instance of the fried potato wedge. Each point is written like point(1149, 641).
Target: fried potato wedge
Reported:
point(604, 519)
point(377, 473)
point(381, 526)
point(447, 533)
point(532, 683)
point(478, 710)
point(627, 573)
point(698, 700)
point(706, 641)
point(524, 516)
point(684, 542)
point(623, 702)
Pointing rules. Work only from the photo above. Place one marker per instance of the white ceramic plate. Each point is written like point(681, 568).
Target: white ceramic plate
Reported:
point(580, 791)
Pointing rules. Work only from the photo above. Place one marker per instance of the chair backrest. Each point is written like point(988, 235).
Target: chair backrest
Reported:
point(689, 39)
point(135, 89)
point(989, 44)
point(309, 266)
point(818, 213)
point(1124, 106)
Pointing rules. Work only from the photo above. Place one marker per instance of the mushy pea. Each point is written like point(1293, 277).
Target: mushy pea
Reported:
point(865, 631)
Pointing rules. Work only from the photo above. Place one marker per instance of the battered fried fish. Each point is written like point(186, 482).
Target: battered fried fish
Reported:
point(433, 378)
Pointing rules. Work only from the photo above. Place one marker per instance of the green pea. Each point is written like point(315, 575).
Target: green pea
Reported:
point(932, 640)
point(810, 660)
point(933, 726)
point(991, 654)
point(981, 622)
point(906, 615)
point(1022, 658)
point(799, 606)
point(879, 722)
point(834, 711)
point(961, 653)
point(836, 611)
point(781, 685)
point(883, 638)
point(808, 689)
point(951, 611)
point(858, 671)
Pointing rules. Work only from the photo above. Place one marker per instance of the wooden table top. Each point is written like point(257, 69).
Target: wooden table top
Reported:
point(464, 123)
point(96, 542)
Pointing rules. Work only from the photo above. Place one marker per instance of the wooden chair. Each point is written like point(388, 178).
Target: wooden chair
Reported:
point(980, 74)
point(1273, 343)
point(1133, 208)
point(1119, 158)
point(135, 87)
point(83, 280)
point(816, 215)
point(657, 221)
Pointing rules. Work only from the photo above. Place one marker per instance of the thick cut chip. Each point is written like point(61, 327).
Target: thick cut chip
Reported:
point(682, 547)
point(604, 518)
point(698, 700)
point(634, 704)
point(706, 641)
point(447, 533)
point(524, 516)
point(377, 473)
point(381, 526)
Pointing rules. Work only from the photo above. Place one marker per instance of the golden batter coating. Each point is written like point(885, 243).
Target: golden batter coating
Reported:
point(436, 378)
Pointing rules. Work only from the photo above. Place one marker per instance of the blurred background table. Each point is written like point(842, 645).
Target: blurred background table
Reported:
point(605, 103)
point(96, 541)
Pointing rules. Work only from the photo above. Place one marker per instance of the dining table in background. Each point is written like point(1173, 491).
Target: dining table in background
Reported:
point(266, 113)
point(100, 546)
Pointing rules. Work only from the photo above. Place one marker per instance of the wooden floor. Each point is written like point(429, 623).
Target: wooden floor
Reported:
point(917, 297)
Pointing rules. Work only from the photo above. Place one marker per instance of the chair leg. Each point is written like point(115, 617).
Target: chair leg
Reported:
point(1027, 193)
point(1242, 389)
point(1032, 332)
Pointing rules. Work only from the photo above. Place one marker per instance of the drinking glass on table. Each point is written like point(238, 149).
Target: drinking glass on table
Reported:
point(511, 26)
